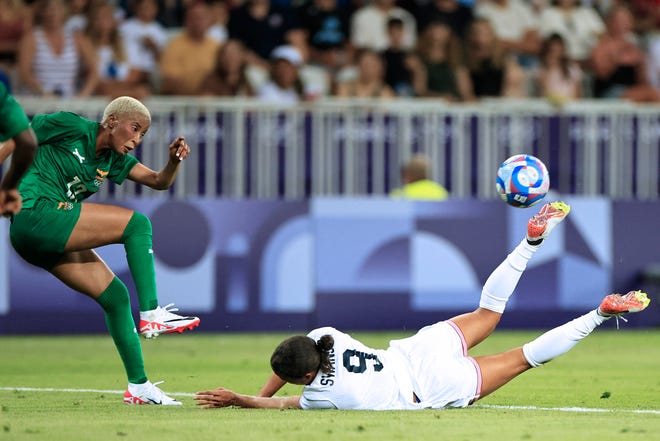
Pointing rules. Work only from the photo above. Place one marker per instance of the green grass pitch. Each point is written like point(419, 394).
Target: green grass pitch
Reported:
point(613, 375)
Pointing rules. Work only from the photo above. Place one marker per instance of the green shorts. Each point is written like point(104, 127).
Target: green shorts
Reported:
point(39, 234)
point(12, 117)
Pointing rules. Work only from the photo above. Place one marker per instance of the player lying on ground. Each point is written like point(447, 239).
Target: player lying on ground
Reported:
point(17, 138)
point(430, 369)
point(58, 232)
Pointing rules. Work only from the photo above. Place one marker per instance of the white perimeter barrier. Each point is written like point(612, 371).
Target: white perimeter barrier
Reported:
point(243, 148)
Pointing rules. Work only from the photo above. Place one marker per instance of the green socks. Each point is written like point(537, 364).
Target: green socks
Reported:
point(137, 240)
point(115, 301)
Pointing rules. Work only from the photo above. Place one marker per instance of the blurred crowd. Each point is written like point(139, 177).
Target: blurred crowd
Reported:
point(291, 51)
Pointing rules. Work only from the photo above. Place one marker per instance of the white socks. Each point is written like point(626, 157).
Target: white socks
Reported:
point(499, 287)
point(501, 283)
point(560, 340)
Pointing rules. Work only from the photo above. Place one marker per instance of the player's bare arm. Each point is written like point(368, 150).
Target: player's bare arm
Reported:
point(221, 397)
point(6, 149)
point(272, 386)
point(162, 180)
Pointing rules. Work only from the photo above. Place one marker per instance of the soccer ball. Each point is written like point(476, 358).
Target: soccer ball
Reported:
point(522, 181)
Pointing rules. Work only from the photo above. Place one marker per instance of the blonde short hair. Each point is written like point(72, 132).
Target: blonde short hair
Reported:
point(125, 105)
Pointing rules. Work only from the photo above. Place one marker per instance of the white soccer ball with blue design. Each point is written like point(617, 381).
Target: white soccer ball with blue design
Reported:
point(522, 181)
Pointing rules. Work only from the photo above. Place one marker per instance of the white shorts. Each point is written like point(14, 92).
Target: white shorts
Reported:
point(442, 374)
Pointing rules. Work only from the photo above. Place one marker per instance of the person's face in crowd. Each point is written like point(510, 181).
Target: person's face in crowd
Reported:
point(197, 21)
point(53, 13)
point(438, 34)
point(104, 20)
point(555, 51)
point(566, 4)
point(326, 5)
point(218, 11)
point(285, 74)
point(620, 22)
point(446, 5)
point(77, 6)
point(482, 35)
point(385, 4)
point(231, 56)
point(395, 36)
point(371, 67)
point(259, 2)
point(146, 10)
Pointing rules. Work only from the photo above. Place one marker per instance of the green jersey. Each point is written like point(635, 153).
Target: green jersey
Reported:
point(66, 168)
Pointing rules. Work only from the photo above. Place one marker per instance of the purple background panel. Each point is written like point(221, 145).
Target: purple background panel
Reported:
point(355, 263)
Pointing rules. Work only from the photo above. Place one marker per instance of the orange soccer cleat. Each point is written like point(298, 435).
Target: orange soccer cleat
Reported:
point(542, 223)
point(615, 304)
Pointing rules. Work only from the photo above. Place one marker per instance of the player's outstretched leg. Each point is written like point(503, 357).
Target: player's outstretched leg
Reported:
point(497, 370)
point(560, 340)
point(479, 324)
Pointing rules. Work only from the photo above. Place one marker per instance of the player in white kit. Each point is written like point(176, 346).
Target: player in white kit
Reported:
point(431, 369)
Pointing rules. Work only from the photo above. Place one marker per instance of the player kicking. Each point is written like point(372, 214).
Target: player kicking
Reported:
point(58, 232)
point(430, 369)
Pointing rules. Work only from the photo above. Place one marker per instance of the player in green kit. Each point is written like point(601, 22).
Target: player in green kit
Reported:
point(16, 137)
point(58, 232)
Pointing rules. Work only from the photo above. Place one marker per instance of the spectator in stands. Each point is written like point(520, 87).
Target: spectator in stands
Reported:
point(219, 17)
point(447, 76)
point(51, 58)
point(416, 183)
point(189, 56)
point(457, 15)
point(229, 74)
point(369, 25)
point(15, 20)
point(171, 12)
point(493, 71)
point(262, 26)
point(77, 13)
point(116, 76)
point(326, 27)
point(579, 26)
point(619, 64)
point(515, 26)
point(370, 80)
point(647, 16)
point(404, 71)
point(560, 78)
point(144, 39)
point(284, 85)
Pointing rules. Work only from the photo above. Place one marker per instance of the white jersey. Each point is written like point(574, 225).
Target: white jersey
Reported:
point(430, 369)
point(360, 378)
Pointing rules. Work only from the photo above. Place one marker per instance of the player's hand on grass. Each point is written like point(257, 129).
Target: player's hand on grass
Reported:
point(179, 149)
point(219, 397)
